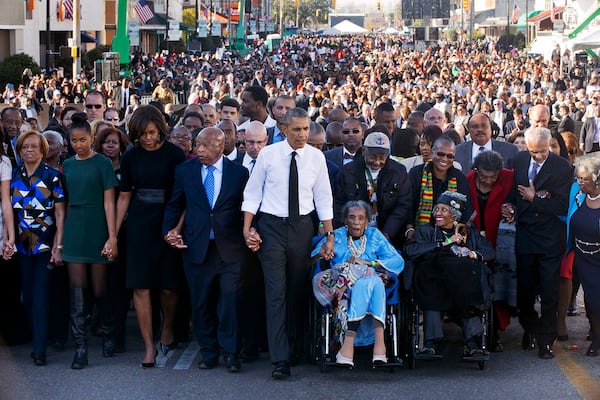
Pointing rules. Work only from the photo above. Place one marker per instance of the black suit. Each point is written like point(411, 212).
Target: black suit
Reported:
point(211, 265)
point(540, 241)
point(394, 195)
point(336, 156)
point(271, 135)
point(464, 153)
point(566, 124)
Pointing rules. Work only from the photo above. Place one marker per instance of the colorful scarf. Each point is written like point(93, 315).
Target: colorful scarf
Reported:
point(426, 198)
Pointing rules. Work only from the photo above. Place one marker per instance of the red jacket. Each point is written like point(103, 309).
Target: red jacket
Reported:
point(498, 194)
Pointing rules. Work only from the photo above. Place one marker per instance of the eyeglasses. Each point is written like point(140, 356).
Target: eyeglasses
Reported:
point(181, 137)
point(112, 119)
point(96, 106)
point(441, 154)
point(253, 142)
point(347, 131)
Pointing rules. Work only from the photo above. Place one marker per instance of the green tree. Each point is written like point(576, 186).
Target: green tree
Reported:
point(88, 57)
point(11, 68)
point(307, 11)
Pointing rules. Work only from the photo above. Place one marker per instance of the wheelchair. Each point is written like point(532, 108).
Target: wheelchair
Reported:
point(484, 311)
point(325, 337)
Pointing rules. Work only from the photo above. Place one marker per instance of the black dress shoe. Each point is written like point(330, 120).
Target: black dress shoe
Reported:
point(208, 363)
point(528, 342)
point(232, 363)
point(39, 359)
point(545, 352)
point(281, 370)
point(562, 338)
point(150, 364)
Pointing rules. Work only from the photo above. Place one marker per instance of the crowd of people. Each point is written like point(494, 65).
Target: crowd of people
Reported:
point(204, 212)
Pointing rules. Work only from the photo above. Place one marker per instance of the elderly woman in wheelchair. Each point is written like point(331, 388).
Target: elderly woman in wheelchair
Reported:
point(450, 275)
point(363, 265)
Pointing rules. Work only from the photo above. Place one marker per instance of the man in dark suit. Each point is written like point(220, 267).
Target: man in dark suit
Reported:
point(590, 132)
point(230, 150)
point(281, 106)
point(539, 196)
point(209, 189)
point(352, 137)
point(566, 123)
point(480, 130)
point(380, 181)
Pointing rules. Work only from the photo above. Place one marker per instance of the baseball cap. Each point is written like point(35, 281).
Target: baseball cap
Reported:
point(377, 143)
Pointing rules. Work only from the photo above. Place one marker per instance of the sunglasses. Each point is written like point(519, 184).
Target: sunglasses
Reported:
point(112, 119)
point(96, 106)
point(347, 131)
point(441, 154)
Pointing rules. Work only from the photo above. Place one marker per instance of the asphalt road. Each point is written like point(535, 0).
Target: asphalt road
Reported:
point(513, 374)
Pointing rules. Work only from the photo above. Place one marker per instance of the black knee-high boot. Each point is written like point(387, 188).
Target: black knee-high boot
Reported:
point(108, 325)
point(78, 327)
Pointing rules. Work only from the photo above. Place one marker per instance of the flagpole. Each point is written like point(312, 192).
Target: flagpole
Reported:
point(526, 23)
point(75, 51)
point(508, 16)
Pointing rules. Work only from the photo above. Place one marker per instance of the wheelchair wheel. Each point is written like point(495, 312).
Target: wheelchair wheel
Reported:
point(406, 312)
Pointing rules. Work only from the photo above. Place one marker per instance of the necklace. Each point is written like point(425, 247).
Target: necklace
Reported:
point(361, 247)
point(593, 198)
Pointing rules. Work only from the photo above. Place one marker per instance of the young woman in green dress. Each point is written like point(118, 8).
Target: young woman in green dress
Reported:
point(90, 239)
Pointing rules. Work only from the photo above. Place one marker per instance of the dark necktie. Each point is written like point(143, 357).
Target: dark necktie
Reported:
point(348, 156)
point(293, 205)
point(481, 148)
point(252, 163)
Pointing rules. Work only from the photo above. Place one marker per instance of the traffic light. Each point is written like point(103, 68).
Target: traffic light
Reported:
point(296, 3)
point(333, 4)
point(318, 12)
point(378, 5)
point(466, 4)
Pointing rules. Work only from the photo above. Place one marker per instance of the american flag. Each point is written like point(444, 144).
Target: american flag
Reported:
point(143, 11)
point(553, 12)
point(68, 4)
point(515, 13)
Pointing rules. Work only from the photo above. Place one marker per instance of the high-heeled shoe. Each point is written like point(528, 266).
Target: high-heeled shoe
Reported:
point(166, 348)
point(150, 364)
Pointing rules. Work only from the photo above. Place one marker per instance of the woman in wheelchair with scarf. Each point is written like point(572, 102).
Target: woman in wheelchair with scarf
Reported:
point(363, 265)
point(450, 275)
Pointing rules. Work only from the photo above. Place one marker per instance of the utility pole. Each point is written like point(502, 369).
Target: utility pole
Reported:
point(281, 17)
point(508, 17)
point(121, 42)
point(471, 12)
point(167, 26)
point(75, 50)
point(48, 36)
point(526, 23)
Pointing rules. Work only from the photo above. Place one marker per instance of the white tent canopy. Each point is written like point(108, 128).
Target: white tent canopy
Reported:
point(588, 40)
point(344, 28)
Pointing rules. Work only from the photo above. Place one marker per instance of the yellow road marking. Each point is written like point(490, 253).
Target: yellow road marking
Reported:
point(587, 385)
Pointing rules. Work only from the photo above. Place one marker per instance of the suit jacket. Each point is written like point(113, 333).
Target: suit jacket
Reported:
point(540, 229)
point(587, 134)
point(270, 135)
point(566, 125)
point(225, 219)
point(394, 195)
point(506, 150)
point(336, 156)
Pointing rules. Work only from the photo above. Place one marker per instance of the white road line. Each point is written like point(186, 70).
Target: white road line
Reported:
point(187, 358)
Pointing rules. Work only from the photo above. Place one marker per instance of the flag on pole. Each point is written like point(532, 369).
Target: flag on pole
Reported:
point(553, 12)
point(515, 14)
point(143, 11)
point(68, 5)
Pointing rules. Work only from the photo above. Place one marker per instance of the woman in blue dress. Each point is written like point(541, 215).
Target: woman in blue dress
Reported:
point(363, 259)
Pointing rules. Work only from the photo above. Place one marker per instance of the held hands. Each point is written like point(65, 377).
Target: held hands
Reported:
point(110, 250)
point(8, 250)
point(508, 212)
point(174, 239)
point(56, 257)
point(326, 251)
point(252, 239)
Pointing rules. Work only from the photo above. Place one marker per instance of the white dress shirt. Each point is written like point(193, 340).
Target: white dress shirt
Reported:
point(268, 187)
point(233, 155)
point(268, 123)
point(247, 162)
point(475, 149)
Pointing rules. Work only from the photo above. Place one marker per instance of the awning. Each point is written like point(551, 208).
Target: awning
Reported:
point(545, 14)
point(521, 21)
point(86, 38)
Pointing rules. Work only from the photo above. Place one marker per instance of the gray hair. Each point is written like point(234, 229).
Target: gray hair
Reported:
point(295, 112)
point(55, 135)
point(357, 203)
point(443, 139)
point(490, 161)
point(590, 163)
point(537, 134)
